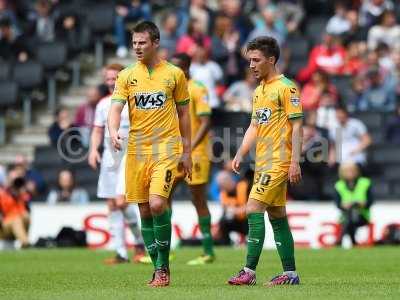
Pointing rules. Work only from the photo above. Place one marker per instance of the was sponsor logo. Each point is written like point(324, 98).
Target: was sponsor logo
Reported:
point(154, 100)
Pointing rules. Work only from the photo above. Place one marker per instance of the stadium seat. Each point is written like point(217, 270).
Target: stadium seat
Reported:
point(314, 27)
point(380, 189)
point(52, 56)
point(343, 86)
point(299, 47)
point(8, 97)
point(373, 120)
point(377, 136)
point(5, 68)
point(385, 154)
point(100, 18)
point(28, 75)
point(295, 66)
point(392, 172)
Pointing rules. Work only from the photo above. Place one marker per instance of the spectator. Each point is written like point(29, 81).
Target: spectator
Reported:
point(208, 72)
point(233, 197)
point(12, 47)
point(385, 58)
point(169, 33)
point(199, 10)
point(239, 96)
point(242, 23)
point(292, 13)
point(67, 191)
point(35, 184)
point(3, 176)
point(358, 87)
point(133, 10)
point(314, 161)
point(84, 115)
point(354, 199)
point(387, 31)
point(354, 61)
point(226, 48)
point(380, 94)
point(7, 13)
point(329, 57)
point(371, 10)
point(393, 127)
point(268, 26)
point(356, 32)
point(61, 126)
point(42, 22)
point(350, 137)
point(14, 215)
point(339, 23)
point(317, 90)
point(189, 42)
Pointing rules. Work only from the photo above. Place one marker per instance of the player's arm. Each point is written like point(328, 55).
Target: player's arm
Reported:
point(185, 129)
point(297, 138)
point(114, 121)
point(95, 142)
point(205, 124)
point(248, 142)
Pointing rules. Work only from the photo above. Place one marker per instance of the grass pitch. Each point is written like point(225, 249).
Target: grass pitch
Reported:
point(80, 274)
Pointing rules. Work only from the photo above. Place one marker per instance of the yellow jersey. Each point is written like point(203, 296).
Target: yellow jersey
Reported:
point(198, 107)
point(275, 103)
point(152, 96)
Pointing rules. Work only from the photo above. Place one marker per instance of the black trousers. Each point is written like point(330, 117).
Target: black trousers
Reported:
point(227, 226)
point(352, 220)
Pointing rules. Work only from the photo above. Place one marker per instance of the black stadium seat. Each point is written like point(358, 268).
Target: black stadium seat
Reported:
point(373, 120)
point(385, 154)
point(380, 188)
point(28, 75)
point(5, 68)
point(52, 56)
point(315, 27)
point(8, 97)
point(392, 172)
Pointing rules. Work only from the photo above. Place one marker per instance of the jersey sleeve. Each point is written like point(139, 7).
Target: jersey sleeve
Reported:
point(291, 102)
point(181, 93)
point(121, 92)
point(201, 103)
point(99, 116)
point(253, 111)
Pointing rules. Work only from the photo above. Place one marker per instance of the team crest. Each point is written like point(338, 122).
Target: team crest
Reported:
point(295, 101)
point(263, 115)
point(168, 83)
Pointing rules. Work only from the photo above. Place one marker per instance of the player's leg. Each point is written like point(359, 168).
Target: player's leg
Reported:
point(285, 246)
point(147, 228)
point(117, 228)
point(255, 210)
point(200, 203)
point(17, 228)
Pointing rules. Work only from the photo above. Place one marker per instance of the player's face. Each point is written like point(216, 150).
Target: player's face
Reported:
point(144, 48)
point(110, 76)
point(259, 64)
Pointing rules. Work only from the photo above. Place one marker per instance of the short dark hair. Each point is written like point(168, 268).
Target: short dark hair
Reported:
point(148, 26)
point(267, 45)
point(184, 58)
point(342, 108)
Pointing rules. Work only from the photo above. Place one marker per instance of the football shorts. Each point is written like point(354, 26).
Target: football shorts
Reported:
point(200, 171)
point(270, 187)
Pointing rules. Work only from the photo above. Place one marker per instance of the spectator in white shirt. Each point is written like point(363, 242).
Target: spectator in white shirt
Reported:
point(339, 23)
point(387, 31)
point(350, 139)
point(208, 72)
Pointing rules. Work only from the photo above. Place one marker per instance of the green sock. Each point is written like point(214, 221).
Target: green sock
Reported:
point(205, 228)
point(169, 211)
point(255, 240)
point(162, 234)
point(148, 238)
point(284, 243)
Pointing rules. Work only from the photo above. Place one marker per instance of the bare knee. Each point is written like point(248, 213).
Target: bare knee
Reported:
point(276, 212)
point(157, 204)
point(145, 211)
point(255, 206)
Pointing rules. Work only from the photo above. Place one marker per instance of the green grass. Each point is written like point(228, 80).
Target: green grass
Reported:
point(79, 274)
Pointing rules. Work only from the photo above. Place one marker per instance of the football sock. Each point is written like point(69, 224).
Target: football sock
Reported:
point(255, 240)
point(284, 243)
point(205, 228)
point(117, 227)
point(132, 221)
point(169, 211)
point(148, 238)
point(162, 234)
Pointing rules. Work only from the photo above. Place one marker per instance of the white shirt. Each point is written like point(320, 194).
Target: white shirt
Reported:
point(100, 119)
point(208, 73)
point(347, 138)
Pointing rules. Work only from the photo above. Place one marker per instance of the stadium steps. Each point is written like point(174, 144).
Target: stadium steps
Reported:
point(30, 139)
point(70, 101)
point(8, 152)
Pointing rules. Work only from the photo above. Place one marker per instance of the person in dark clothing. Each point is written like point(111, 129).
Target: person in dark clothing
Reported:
point(393, 127)
point(354, 199)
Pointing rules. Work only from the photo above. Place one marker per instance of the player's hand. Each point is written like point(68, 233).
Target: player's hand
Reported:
point(237, 160)
point(94, 158)
point(116, 141)
point(294, 173)
point(186, 165)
